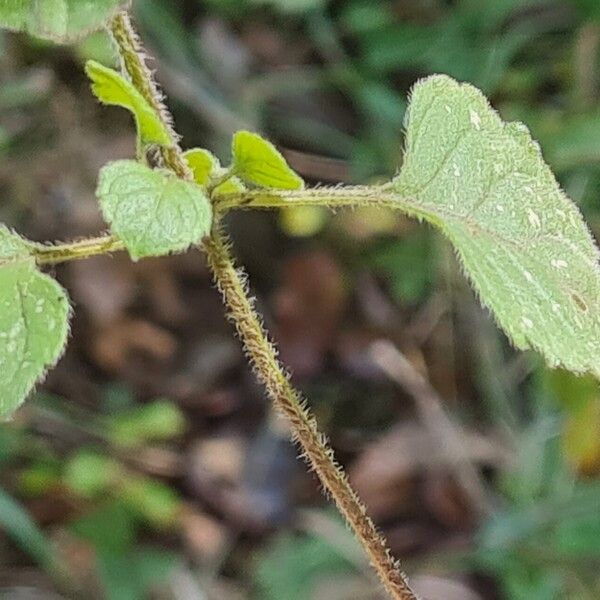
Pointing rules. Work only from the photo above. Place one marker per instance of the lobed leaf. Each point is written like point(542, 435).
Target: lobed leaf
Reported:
point(257, 161)
point(522, 242)
point(58, 20)
point(152, 211)
point(110, 87)
point(33, 327)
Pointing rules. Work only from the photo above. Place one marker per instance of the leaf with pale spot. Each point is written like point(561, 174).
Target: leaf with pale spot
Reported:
point(112, 88)
point(58, 20)
point(34, 316)
point(522, 242)
point(152, 211)
point(257, 161)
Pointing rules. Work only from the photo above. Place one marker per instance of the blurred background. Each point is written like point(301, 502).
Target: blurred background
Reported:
point(149, 464)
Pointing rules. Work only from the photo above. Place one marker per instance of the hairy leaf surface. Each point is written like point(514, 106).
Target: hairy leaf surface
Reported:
point(257, 161)
point(522, 242)
point(34, 315)
point(152, 211)
point(57, 20)
point(110, 87)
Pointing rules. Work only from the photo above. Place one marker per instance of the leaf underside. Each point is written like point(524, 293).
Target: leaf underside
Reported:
point(34, 320)
point(153, 212)
point(522, 243)
point(62, 21)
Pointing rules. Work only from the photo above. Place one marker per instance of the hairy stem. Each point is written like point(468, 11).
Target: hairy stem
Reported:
point(132, 59)
point(56, 253)
point(375, 196)
point(263, 355)
point(259, 348)
point(332, 197)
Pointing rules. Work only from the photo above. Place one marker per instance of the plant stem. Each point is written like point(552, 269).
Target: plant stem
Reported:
point(263, 355)
point(261, 351)
point(132, 59)
point(57, 253)
point(374, 196)
point(332, 197)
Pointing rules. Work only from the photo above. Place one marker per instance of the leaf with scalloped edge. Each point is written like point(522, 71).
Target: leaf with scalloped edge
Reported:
point(34, 322)
point(152, 211)
point(110, 87)
point(61, 21)
point(522, 243)
point(257, 161)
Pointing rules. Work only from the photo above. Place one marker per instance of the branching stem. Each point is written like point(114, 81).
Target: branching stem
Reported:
point(259, 348)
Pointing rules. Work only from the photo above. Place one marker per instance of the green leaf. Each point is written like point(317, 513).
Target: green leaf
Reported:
point(152, 211)
point(205, 165)
point(58, 20)
point(110, 87)
point(33, 323)
point(522, 242)
point(257, 161)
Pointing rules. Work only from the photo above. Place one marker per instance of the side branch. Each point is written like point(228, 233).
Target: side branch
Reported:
point(263, 355)
point(56, 253)
point(355, 196)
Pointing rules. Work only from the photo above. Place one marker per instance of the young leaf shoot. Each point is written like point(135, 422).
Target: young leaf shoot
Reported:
point(257, 161)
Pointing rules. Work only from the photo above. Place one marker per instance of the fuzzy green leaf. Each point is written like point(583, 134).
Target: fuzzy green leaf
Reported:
point(205, 165)
point(257, 161)
point(110, 87)
point(58, 20)
point(34, 319)
point(522, 242)
point(152, 211)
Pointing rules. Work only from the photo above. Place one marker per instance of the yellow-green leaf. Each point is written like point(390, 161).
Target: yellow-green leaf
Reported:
point(203, 164)
point(110, 87)
point(257, 161)
point(206, 166)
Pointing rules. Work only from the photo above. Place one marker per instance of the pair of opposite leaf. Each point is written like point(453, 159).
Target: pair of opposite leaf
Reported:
point(482, 182)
